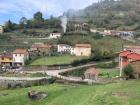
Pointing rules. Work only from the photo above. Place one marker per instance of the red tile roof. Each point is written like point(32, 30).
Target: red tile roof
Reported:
point(93, 71)
point(130, 55)
point(41, 46)
point(124, 53)
point(83, 45)
point(134, 56)
point(6, 56)
point(20, 51)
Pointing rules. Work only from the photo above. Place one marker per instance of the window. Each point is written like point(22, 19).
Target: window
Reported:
point(10, 58)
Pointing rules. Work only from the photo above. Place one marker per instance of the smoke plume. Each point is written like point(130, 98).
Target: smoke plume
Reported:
point(64, 23)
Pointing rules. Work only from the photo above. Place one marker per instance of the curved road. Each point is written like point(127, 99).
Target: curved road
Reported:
point(53, 73)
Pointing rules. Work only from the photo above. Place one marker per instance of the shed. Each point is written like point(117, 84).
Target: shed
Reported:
point(92, 73)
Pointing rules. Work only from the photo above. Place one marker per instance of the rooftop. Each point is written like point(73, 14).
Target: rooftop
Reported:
point(4, 55)
point(83, 45)
point(93, 71)
point(20, 51)
point(129, 54)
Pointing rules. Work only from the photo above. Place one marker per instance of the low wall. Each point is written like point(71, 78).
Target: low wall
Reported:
point(6, 82)
point(41, 68)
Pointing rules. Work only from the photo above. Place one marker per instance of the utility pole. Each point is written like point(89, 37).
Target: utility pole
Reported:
point(121, 65)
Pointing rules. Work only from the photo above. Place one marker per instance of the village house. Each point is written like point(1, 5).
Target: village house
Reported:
point(55, 35)
point(111, 32)
point(20, 56)
point(93, 30)
point(82, 50)
point(92, 74)
point(127, 57)
point(129, 34)
point(107, 32)
point(118, 33)
point(6, 59)
point(81, 26)
point(40, 48)
point(1, 29)
point(63, 48)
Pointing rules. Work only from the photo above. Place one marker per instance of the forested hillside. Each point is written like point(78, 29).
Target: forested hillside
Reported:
point(111, 14)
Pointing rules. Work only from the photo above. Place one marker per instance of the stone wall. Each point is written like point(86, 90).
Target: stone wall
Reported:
point(23, 83)
point(41, 68)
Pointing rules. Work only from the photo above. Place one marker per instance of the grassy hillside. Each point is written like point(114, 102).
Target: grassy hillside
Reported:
point(113, 44)
point(123, 93)
point(10, 41)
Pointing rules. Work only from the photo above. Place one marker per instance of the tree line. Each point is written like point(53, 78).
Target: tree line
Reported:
point(36, 22)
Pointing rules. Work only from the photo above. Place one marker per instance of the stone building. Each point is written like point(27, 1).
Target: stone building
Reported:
point(92, 74)
point(82, 50)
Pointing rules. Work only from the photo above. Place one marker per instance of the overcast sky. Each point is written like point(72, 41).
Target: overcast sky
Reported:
point(14, 9)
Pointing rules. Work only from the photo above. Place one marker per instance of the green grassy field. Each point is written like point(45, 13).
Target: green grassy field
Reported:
point(64, 59)
point(109, 72)
point(122, 93)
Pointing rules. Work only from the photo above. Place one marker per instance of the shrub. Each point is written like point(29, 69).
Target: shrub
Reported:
point(9, 86)
point(51, 80)
point(39, 75)
point(27, 85)
point(107, 65)
point(80, 62)
point(98, 36)
point(128, 71)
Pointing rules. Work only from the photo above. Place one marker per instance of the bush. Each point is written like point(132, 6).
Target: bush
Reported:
point(39, 75)
point(98, 36)
point(107, 65)
point(51, 80)
point(76, 73)
point(128, 71)
point(80, 62)
point(27, 85)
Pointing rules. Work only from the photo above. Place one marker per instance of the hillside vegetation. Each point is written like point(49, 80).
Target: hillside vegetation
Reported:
point(121, 14)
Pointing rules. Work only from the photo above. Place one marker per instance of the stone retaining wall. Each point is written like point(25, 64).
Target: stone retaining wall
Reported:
point(9, 83)
point(41, 68)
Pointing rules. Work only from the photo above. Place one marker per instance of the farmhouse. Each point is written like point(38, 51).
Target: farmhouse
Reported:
point(82, 50)
point(119, 33)
point(125, 34)
point(6, 59)
point(129, 57)
point(110, 32)
point(40, 47)
point(63, 48)
point(55, 35)
point(1, 29)
point(92, 74)
point(20, 56)
point(93, 30)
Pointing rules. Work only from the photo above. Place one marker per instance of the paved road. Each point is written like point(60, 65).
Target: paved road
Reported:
point(53, 73)
point(23, 78)
point(56, 73)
